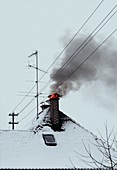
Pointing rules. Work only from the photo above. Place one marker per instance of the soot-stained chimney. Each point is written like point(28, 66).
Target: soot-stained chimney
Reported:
point(54, 111)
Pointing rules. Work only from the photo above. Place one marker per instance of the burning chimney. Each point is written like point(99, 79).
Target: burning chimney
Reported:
point(54, 111)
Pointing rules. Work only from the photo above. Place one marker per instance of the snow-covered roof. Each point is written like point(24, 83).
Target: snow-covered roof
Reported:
point(27, 149)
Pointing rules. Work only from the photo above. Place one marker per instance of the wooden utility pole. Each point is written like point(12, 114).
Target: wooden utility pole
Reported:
point(13, 120)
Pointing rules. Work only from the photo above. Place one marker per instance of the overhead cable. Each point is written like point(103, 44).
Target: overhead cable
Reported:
point(70, 59)
point(80, 48)
point(80, 65)
point(87, 58)
point(29, 122)
point(62, 51)
point(23, 98)
point(27, 105)
point(72, 38)
point(27, 115)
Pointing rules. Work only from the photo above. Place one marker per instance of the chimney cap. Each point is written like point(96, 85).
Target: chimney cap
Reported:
point(54, 96)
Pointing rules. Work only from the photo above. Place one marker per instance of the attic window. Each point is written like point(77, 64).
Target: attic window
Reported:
point(49, 139)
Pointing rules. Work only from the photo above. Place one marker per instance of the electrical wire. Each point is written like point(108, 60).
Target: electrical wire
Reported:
point(77, 68)
point(83, 45)
point(62, 51)
point(72, 38)
point(27, 105)
point(72, 56)
point(75, 53)
point(29, 122)
point(28, 114)
point(23, 98)
point(87, 57)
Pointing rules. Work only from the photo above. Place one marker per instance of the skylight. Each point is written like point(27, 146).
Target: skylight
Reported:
point(49, 139)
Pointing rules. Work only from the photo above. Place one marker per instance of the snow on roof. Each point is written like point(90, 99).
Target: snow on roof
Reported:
point(26, 149)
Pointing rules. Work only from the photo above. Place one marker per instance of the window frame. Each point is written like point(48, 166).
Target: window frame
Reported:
point(47, 142)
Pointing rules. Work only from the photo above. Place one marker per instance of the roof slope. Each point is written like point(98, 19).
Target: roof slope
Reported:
point(26, 149)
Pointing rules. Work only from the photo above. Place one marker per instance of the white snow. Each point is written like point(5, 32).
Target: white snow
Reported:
point(26, 149)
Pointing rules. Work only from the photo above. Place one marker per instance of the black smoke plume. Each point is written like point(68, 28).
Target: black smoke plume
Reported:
point(102, 66)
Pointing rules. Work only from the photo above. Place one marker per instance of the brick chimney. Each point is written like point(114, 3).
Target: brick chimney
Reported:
point(54, 111)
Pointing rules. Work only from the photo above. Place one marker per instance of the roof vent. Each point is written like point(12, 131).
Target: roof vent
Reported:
point(49, 139)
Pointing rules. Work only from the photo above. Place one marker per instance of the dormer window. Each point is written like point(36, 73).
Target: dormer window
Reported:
point(49, 139)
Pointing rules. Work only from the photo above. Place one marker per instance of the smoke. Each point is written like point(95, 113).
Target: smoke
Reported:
point(101, 66)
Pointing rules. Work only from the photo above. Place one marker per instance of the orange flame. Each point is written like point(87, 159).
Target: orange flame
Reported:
point(54, 96)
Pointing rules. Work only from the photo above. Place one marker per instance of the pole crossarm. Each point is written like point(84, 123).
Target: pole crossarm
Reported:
point(13, 119)
point(11, 114)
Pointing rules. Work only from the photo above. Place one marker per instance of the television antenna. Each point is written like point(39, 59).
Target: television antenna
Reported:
point(37, 78)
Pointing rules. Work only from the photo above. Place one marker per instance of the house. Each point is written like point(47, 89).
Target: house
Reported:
point(54, 141)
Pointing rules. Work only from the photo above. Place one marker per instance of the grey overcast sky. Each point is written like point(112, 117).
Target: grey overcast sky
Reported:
point(46, 26)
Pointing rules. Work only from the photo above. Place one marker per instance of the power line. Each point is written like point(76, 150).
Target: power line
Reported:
point(72, 38)
point(27, 105)
point(70, 59)
point(82, 45)
point(62, 51)
point(29, 122)
point(59, 55)
point(91, 53)
point(23, 98)
point(88, 57)
point(27, 114)
point(77, 68)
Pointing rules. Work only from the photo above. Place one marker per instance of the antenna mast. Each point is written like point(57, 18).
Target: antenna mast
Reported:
point(37, 82)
